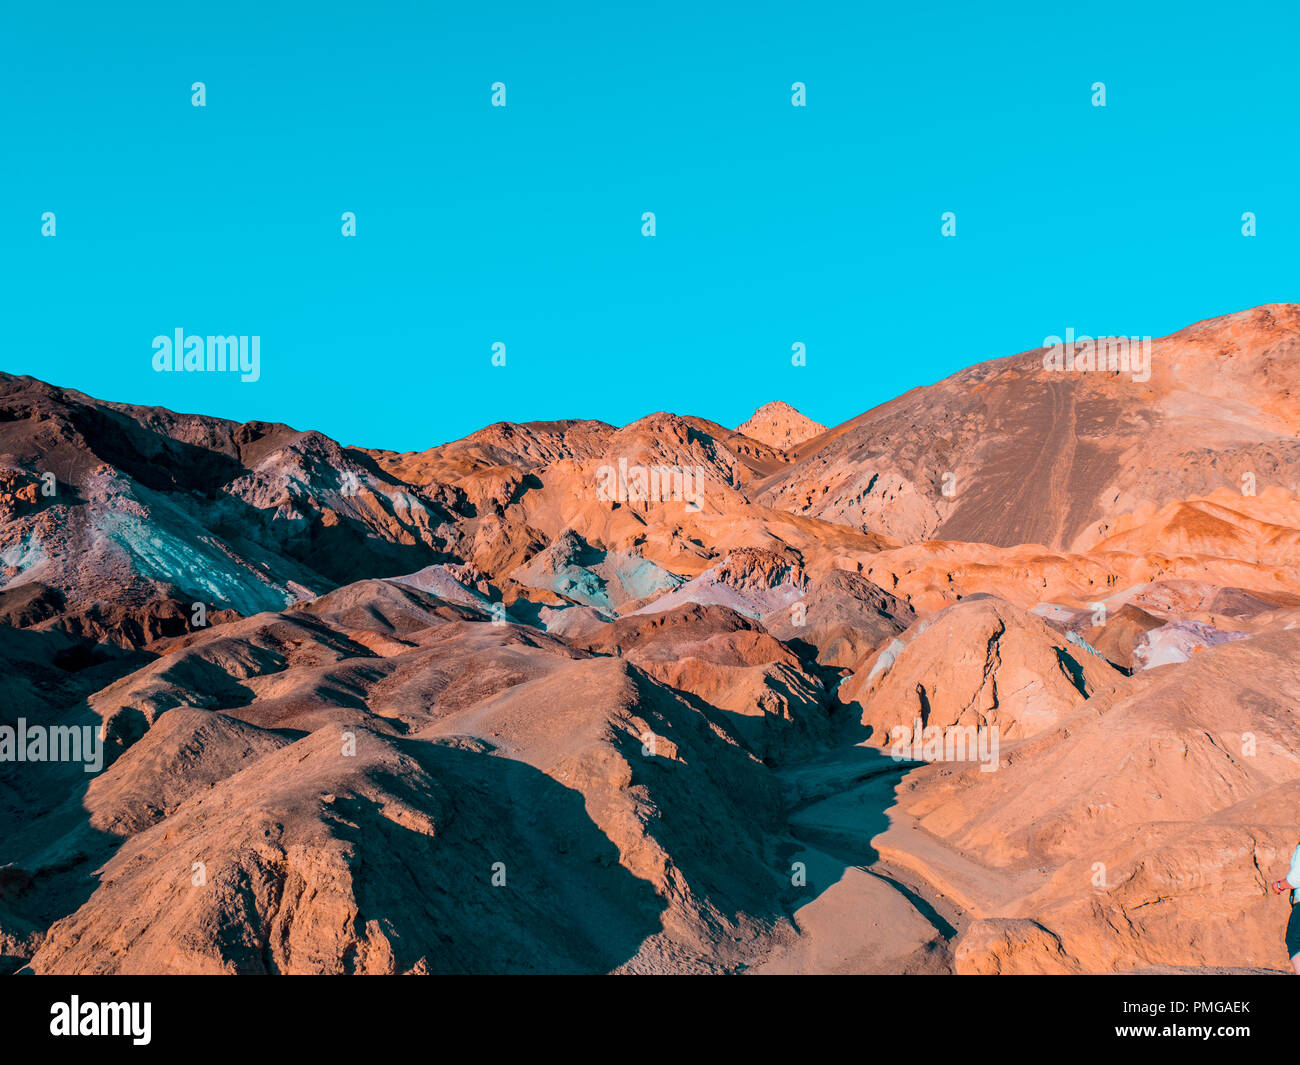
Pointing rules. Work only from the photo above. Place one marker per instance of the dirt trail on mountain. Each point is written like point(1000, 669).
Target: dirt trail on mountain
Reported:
point(868, 914)
point(890, 897)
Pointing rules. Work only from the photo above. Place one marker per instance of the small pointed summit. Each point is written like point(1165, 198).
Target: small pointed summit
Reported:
point(780, 425)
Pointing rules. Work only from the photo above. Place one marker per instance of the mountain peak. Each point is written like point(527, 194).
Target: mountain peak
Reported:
point(780, 425)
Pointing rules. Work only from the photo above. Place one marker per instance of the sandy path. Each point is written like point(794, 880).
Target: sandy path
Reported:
point(867, 915)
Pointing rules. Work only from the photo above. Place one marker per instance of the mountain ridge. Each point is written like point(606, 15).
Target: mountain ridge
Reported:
point(673, 653)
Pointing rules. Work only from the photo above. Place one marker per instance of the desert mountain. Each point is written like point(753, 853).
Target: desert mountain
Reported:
point(1033, 455)
point(567, 696)
point(981, 662)
point(780, 425)
point(1139, 832)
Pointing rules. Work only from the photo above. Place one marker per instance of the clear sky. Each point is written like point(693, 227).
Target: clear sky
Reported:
point(522, 225)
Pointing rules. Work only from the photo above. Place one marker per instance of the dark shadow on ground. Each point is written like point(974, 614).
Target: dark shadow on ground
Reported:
point(566, 904)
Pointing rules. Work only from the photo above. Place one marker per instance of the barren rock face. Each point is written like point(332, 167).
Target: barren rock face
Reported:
point(984, 663)
point(571, 697)
point(1140, 831)
point(1031, 455)
point(728, 661)
point(780, 425)
point(841, 618)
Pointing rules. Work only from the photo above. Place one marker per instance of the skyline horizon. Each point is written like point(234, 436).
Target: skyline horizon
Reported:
point(683, 412)
point(902, 192)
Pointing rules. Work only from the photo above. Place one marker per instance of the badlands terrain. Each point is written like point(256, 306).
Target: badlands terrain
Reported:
point(572, 697)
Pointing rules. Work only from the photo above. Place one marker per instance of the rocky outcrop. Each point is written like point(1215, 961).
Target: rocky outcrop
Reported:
point(571, 697)
point(780, 425)
point(982, 663)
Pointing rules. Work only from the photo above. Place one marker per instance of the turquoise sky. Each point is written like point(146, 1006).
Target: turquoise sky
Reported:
point(522, 225)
